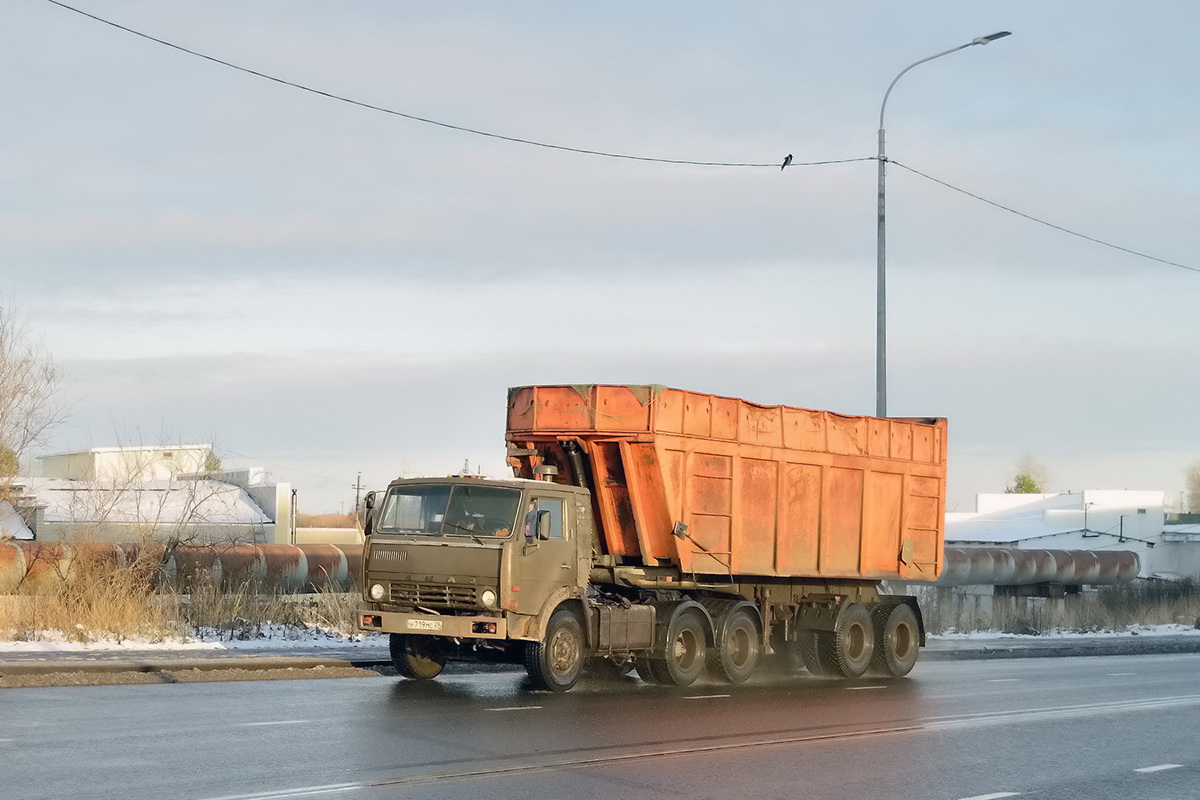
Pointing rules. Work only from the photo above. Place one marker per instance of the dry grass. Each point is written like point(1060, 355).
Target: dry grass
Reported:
point(1109, 608)
point(95, 598)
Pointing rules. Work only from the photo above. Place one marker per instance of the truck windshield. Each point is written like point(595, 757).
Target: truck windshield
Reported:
point(454, 510)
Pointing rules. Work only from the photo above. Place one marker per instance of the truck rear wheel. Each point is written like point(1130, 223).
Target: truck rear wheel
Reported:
point(650, 670)
point(853, 641)
point(416, 657)
point(816, 649)
point(557, 662)
point(686, 645)
point(897, 640)
point(735, 655)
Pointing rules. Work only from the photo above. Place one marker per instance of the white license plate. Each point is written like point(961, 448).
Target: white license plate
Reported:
point(424, 624)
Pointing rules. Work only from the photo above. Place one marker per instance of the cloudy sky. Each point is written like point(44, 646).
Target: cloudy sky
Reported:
point(328, 290)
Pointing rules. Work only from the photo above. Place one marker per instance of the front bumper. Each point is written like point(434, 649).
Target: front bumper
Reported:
point(473, 627)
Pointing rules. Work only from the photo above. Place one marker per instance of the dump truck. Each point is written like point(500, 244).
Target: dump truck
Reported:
point(666, 531)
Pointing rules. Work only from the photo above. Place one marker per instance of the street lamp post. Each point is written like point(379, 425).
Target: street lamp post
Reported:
point(881, 252)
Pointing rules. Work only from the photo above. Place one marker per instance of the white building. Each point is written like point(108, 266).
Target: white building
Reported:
point(130, 494)
point(127, 463)
point(1090, 520)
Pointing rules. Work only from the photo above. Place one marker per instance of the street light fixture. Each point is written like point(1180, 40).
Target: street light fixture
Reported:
point(881, 254)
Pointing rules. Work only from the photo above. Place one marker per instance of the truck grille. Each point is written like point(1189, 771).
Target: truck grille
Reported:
point(433, 595)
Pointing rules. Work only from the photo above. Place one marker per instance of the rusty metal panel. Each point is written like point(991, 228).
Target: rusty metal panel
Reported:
point(725, 418)
point(799, 534)
point(697, 415)
point(618, 409)
point(617, 522)
point(883, 495)
point(761, 425)
point(805, 430)
point(755, 519)
point(879, 438)
point(901, 441)
point(648, 499)
point(841, 521)
point(778, 490)
point(668, 416)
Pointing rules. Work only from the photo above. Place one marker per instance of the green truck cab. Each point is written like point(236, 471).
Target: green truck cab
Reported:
point(470, 568)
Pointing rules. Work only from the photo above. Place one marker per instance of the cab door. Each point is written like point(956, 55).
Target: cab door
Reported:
point(544, 566)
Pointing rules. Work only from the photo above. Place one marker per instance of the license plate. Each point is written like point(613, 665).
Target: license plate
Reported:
point(424, 624)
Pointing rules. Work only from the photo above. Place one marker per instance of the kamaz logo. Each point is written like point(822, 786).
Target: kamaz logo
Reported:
point(389, 555)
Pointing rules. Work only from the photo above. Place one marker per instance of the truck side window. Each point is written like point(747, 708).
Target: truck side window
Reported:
point(555, 507)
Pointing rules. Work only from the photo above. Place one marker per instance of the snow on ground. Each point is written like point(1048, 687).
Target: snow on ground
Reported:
point(268, 637)
point(1132, 630)
point(279, 637)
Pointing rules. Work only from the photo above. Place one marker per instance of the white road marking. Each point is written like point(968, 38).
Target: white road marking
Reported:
point(514, 708)
point(705, 696)
point(1004, 680)
point(1159, 768)
point(860, 688)
point(284, 794)
point(1120, 674)
point(276, 722)
point(993, 796)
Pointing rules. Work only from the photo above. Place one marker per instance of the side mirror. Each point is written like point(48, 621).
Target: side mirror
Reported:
point(543, 525)
point(369, 501)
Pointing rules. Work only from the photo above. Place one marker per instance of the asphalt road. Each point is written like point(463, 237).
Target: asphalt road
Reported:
point(1101, 727)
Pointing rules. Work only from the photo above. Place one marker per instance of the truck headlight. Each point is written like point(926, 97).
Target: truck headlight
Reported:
point(376, 592)
point(488, 598)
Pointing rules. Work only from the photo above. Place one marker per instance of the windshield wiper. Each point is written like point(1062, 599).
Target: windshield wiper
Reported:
point(467, 531)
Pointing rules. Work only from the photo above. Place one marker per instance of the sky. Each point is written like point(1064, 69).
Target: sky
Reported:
point(328, 290)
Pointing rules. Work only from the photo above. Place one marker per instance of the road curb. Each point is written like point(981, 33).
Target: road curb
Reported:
point(940, 651)
point(174, 664)
point(1093, 647)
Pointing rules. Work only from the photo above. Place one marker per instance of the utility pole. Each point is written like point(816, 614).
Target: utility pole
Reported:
point(357, 491)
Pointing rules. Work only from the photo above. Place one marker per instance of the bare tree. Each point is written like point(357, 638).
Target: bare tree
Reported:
point(1032, 477)
point(1191, 477)
point(30, 394)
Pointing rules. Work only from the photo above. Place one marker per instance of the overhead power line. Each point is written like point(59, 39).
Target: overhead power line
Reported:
point(427, 121)
point(1042, 221)
point(585, 151)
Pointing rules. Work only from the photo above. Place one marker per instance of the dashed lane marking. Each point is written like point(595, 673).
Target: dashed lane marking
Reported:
point(1120, 674)
point(993, 796)
point(515, 708)
point(705, 696)
point(1004, 680)
point(275, 722)
point(860, 688)
point(1159, 768)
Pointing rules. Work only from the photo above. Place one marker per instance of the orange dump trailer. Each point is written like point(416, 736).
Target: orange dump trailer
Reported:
point(756, 490)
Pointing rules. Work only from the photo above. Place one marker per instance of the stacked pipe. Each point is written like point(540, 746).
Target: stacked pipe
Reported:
point(1002, 566)
point(41, 566)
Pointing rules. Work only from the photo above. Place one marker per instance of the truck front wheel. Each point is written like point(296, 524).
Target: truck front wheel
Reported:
point(556, 663)
point(416, 657)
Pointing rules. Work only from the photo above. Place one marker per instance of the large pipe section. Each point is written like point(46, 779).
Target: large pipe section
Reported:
point(37, 566)
point(1003, 566)
point(42, 566)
